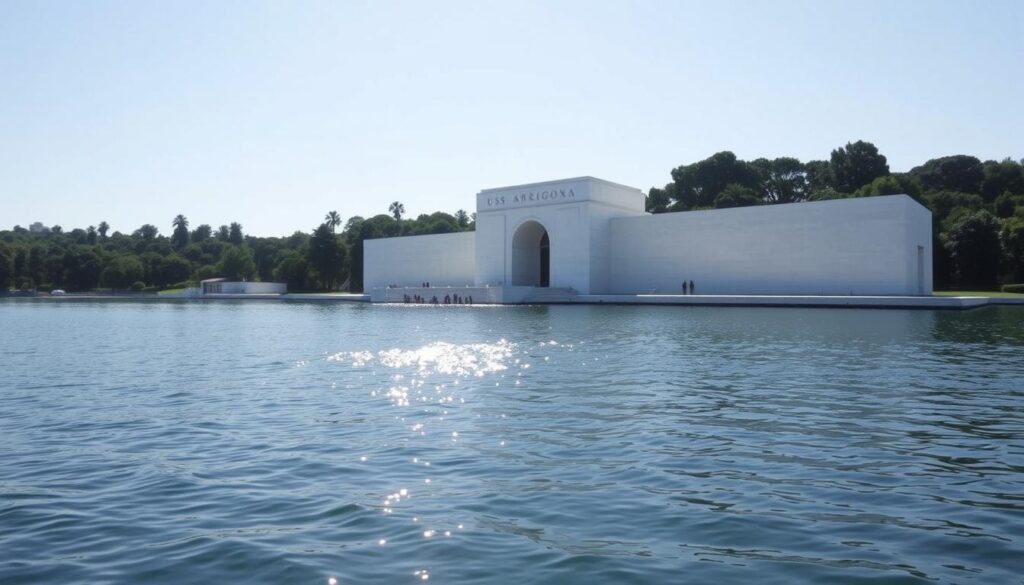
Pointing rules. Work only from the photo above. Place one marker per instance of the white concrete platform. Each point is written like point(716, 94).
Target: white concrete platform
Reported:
point(845, 301)
point(525, 295)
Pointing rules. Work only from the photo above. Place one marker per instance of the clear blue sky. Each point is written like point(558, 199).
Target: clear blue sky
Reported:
point(274, 113)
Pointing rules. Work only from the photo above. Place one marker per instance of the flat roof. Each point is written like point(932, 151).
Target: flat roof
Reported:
point(571, 179)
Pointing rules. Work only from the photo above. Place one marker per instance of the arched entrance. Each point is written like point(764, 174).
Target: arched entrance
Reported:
point(531, 255)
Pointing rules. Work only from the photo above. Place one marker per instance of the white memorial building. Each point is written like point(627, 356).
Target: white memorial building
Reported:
point(583, 237)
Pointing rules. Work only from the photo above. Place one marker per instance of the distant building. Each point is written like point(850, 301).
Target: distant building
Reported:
point(223, 286)
point(38, 228)
point(592, 236)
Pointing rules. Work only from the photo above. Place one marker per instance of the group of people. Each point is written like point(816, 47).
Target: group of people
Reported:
point(449, 299)
point(688, 287)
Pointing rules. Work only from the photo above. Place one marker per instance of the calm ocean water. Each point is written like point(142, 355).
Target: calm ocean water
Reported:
point(295, 443)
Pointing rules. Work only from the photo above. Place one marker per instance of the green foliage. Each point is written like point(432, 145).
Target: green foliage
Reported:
point(146, 232)
point(1011, 236)
point(179, 239)
point(1013, 288)
point(941, 203)
point(293, 269)
point(333, 220)
point(819, 176)
point(327, 257)
point(658, 200)
point(697, 185)
point(894, 184)
point(1002, 177)
point(121, 272)
point(237, 263)
point(1007, 204)
point(6, 268)
point(974, 247)
point(235, 235)
point(783, 180)
point(396, 209)
point(856, 165)
point(960, 173)
point(735, 195)
point(202, 233)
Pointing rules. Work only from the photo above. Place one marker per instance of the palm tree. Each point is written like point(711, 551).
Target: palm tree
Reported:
point(397, 209)
point(103, 229)
point(179, 239)
point(333, 220)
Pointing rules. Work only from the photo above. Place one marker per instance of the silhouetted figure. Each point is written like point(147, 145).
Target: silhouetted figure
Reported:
point(471, 299)
point(691, 287)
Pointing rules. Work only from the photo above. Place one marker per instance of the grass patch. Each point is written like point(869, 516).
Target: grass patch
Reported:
point(178, 291)
point(992, 294)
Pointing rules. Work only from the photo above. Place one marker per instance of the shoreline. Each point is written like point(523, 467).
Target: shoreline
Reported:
point(767, 301)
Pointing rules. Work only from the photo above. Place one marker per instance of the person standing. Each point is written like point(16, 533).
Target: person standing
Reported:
point(691, 287)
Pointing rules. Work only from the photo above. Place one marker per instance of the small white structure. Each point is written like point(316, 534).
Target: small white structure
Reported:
point(593, 237)
point(223, 286)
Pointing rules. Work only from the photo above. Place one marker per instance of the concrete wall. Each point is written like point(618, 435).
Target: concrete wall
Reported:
point(247, 288)
point(865, 246)
point(441, 259)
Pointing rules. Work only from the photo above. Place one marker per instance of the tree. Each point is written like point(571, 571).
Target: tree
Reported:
point(56, 229)
point(333, 220)
point(783, 180)
point(175, 269)
point(396, 209)
point(6, 268)
point(658, 200)
point(894, 184)
point(90, 235)
point(235, 234)
point(326, 257)
point(697, 185)
point(819, 177)
point(121, 272)
point(462, 218)
point(202, 233)
point(223, 233)
point(1006, 204)
point(179, 239)
point(735, 195)
point(856, 165)
point(959, 172)
point(1001, 177)
point(237, 264)
point(974, 247)
point(292, 269)
point(82, 268)
point(1012, 239)
point(942, 203)
point(147, 232)
point(103, 229)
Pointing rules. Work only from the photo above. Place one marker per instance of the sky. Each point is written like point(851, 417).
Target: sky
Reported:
point(271, 114)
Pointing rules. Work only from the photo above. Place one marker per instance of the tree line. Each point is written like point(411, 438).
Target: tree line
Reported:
point(977, 207)
point(977, 229)
point(94, 258)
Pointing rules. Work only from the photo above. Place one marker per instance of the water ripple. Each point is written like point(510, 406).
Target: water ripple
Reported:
point(262, 443)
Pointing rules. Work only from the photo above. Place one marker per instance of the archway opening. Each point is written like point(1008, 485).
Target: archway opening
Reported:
point(531, 255)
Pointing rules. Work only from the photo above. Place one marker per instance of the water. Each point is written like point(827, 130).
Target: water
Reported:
point(296, 443)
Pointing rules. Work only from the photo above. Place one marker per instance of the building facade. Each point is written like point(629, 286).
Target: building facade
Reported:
point(593, 237)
